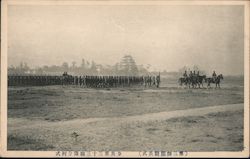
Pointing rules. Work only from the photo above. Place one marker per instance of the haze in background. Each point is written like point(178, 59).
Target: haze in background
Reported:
point(166, 37)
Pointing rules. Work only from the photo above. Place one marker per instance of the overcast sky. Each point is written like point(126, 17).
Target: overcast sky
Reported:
point(166, 37)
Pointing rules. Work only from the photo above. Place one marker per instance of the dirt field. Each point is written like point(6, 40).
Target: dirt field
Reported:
point(169, 118)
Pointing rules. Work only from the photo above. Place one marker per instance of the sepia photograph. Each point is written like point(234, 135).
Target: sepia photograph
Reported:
point(124, 78)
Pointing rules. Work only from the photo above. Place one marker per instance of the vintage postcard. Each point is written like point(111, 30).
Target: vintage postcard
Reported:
point(124, 78)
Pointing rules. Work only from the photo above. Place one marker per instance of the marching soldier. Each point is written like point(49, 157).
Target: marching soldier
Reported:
point(158, 80)
point(153, 80)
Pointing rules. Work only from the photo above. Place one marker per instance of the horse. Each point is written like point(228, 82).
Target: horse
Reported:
point(183, 80)
point(193, 81)
point(215, 80)
point(200, 80)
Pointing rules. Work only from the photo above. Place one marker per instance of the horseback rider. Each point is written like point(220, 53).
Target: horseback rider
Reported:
point(185, 77)
point(191, 74)
point(214, 76)
point(185, 74)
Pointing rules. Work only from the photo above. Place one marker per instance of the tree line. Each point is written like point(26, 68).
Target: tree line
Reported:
point(85, 68)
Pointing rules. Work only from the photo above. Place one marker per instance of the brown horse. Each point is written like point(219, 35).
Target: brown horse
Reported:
point(183, 80)
point(215, 80)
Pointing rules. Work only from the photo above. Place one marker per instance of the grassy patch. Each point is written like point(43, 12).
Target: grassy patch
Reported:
point(26, 143)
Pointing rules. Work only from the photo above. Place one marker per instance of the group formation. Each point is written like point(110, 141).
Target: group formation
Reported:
point(85, 81)
point(195, 80)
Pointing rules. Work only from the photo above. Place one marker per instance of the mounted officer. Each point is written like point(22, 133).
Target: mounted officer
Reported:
point(191, 74)
point(214, 76)
point(185, 74)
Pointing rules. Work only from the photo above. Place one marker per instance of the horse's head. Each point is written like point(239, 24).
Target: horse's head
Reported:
point(221, 76)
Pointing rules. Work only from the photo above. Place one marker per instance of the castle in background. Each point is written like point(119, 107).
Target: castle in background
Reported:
point(126, 67)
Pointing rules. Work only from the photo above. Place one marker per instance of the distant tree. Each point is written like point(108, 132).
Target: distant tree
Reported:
point(26, 67)
point(87, 64)
point(21, 69)
point(196, 68)
point(93, 68)
point(73, 64)
point(46, 68)
point(142, 70)
point(83, 64)
point(39, 71)
point(116, 69)
point(21, 65)
point(183, 69)
point(65, 66)
point(93, 65)
point(53, 68)
point(148, 66)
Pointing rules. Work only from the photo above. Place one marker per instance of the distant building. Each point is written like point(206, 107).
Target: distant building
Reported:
point(128, 66)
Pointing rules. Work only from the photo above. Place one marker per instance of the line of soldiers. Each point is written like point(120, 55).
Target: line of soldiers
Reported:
point(85, 81)
point(20, 80)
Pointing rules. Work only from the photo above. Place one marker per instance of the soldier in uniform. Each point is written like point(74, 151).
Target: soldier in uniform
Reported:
point(158, 80)
point(185, 74)
point(153, 78)
point(191, 74)
point(185, 77)
point(214, 76)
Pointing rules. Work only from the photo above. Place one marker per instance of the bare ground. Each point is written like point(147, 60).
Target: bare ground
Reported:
point(56, 103)
point(44, 118)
